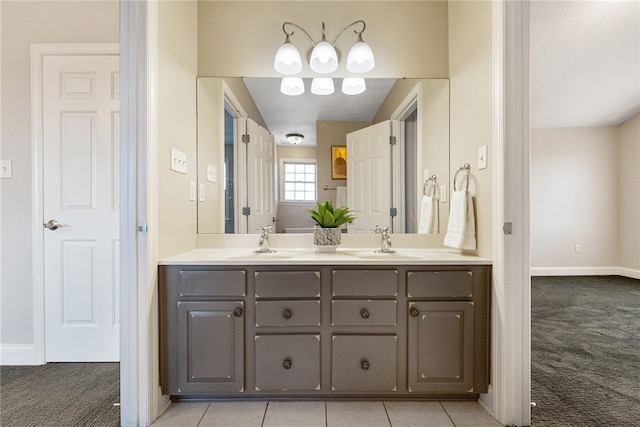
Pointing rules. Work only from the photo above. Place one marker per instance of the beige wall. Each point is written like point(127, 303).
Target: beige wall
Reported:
point(629, 195)
point(23, 23)
point(574, 196)
point(241, 38)
point(177, 70)
point(470, 70)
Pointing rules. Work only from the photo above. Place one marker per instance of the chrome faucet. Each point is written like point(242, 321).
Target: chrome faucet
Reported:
point(385, 246)
point(263, 243)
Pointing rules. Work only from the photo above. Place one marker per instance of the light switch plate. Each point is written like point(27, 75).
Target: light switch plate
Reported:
point(5, 168)
point(482, 157)
point(178, 161)
point(212, 173)
point(443, 193)
point(192, 190)
point(425, 175)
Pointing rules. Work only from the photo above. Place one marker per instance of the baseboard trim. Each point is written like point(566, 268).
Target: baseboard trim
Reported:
point(585, 271)
point(18, 354)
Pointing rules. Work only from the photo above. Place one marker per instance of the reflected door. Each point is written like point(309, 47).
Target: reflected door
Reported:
point(369, 177)
point(261, 196)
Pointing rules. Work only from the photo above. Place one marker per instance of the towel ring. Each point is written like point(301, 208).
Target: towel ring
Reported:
point(431, 179)
point(467, 168)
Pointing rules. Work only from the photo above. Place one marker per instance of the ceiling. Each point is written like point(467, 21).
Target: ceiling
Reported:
point(585, 72)
point(585, 63)
point(285, 114)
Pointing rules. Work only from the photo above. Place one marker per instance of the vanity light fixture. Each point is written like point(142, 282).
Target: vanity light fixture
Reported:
point(324, 57)
point(322, 86)
point(294, 138)
point(292, 86)
point(353, 85)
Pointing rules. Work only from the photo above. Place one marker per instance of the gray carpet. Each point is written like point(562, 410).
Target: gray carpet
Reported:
point(60, 395)
point(585, 345)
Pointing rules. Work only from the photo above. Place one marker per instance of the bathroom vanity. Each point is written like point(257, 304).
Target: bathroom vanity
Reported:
point(299, 324)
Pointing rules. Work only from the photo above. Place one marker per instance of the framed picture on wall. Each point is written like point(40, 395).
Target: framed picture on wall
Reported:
point(338, 162)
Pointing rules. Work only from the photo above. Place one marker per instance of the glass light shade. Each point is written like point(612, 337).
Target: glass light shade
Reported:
point(292, 86)
point(294, 138)
point(288, 60)
point(360, 58)
point(324, 58)
point(353, 85)
point(322, 86)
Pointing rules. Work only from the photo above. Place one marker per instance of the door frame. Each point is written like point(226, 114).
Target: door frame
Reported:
point(38, 53)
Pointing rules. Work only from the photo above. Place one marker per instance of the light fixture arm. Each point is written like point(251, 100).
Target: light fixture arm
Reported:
point(301, 29)
point(358, 33)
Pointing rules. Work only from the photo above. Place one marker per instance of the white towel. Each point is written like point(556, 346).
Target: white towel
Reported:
point(429, 218)
point(341, 196)
point(461, 231)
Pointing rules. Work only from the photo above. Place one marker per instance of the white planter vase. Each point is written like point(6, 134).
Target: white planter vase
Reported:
point(326, 239)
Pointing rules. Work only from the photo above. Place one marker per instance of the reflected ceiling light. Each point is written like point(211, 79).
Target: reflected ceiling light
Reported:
point(295, 138)
point(324, 56)
point(353, 85)
point(322, 86)
point(292, 86)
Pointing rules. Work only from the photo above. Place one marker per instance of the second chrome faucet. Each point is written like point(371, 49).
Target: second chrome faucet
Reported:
point(385, 244)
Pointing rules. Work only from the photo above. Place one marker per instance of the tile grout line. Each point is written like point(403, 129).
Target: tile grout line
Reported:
point(326, 415)
point(203, 414)
point(264, 416)
point(446, 412)
point(387, 413)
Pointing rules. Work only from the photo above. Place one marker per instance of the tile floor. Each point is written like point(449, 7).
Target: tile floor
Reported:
point(326, 414)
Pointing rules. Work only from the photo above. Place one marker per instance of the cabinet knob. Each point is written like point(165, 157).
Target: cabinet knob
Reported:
point(287, 314)
point(414, 312)
point(364, 313)
point(287, 364)
point(238, 312)
point(364, 364)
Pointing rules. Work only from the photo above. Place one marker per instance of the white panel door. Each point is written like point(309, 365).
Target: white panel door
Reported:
point(260, 176)
point(369, 180)
point(80, 182)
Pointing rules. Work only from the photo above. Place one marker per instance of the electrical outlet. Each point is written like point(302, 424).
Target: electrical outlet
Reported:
point(201, 196)
point(482, 157)
point(578, 248)
point(178, 161)
point(425, 175)
point(212, 173)
point(443, 193)
point(192, 190)
point(5, 168)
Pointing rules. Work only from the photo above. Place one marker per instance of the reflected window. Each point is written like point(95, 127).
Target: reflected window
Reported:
point(298, 180)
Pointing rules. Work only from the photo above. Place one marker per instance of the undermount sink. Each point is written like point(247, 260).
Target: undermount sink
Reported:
point(252, 255)
point(372, 255)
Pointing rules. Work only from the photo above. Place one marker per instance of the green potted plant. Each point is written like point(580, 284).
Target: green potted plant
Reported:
point(326, 233)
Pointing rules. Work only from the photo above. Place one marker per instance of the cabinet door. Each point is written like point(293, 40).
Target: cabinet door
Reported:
point(211, 346)
point(441, 346)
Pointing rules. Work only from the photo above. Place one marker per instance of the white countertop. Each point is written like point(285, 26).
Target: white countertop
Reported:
point(307, 256)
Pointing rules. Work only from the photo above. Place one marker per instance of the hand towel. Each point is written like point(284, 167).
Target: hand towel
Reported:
point(461, 230)
point(429, 218)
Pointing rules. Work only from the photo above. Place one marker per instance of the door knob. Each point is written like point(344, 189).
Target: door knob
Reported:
point(52, 224)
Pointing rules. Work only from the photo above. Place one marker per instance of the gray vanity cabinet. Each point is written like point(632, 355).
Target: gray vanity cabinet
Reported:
point(324, 331)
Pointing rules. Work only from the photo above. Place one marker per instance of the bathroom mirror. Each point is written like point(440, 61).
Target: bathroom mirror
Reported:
point(418, 111)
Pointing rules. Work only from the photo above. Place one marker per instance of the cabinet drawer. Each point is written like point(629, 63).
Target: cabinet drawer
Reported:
point(363, 313)
point(194, 283)
point(439, 284)
point(286, 284)
point(287, 362)
point(288, 313)
point(366, 283)
point(364, 363)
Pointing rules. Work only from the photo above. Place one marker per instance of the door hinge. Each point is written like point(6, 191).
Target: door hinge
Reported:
point(393, 211)
point(142, 228)
point(245, 138)
point(507, 228)
point(392, 140)
point(246, 211)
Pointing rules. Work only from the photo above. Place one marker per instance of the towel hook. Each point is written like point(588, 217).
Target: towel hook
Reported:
point(433, 178)
point(467, 168)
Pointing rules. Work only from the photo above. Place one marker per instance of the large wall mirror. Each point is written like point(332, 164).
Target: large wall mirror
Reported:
point(245, 182)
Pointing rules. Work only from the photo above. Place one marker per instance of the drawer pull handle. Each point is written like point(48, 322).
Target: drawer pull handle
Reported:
point(364, 313)
point(287, 364)
point(238, 312)
point(414, 312)
point(364, 364)
point(287, 314)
